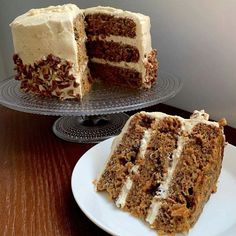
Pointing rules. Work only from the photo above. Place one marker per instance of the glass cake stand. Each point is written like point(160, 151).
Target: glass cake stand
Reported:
point(100, 114)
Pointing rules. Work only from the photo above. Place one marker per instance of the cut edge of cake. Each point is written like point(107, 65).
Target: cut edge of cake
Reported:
point(127, 35)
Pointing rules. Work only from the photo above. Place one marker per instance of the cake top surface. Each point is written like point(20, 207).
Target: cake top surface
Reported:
point(116, 12)
point(188, 124)
point(197, 117)
point(52, 13)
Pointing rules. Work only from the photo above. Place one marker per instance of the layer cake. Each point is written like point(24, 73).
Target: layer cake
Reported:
point(52, 50)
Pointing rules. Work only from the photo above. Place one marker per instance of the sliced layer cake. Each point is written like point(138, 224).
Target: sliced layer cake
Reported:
point(50, 54)
point(119, 47)
point(164, 168)
point(51, 57)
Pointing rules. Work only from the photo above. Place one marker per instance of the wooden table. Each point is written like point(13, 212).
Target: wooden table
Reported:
point(35, 174)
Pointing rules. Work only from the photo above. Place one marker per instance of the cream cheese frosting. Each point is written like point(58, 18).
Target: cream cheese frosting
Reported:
point(162, 192)
point(38, 32)
point(121, 200)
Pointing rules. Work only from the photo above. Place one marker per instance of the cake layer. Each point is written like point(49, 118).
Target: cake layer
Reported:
point(147, 67)
point(115, 75)
point(140, 21)
point(112, 51)
point(105, 24)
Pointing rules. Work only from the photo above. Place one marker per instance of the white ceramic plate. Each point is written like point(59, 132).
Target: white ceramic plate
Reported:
point(218, 217)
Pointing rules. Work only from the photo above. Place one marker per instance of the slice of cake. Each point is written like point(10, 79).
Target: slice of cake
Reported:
point(119, 47)
point(164, 168)
point(50, 54)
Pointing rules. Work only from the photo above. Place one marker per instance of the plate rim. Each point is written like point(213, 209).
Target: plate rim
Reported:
point(94, 220)
point(91, 218)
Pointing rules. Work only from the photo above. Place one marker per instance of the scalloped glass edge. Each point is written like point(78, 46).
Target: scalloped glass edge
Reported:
point(56, 112)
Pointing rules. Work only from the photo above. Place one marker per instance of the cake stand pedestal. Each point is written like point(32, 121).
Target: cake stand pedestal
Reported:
point(100, 114)
point(89, 129)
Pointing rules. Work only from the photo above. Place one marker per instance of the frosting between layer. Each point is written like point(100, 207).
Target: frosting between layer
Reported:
point(121, 200)
point(138, 66)
point(123, 64)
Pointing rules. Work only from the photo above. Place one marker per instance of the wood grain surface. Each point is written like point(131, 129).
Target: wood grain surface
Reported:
point(35, 175)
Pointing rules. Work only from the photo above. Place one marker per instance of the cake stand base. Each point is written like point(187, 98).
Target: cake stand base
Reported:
point(89, 129)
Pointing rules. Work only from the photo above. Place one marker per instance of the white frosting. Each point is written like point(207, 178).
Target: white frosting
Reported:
point(117, 39)
point(121, 200)
point(196, 118)
point(153, 211)
point(40, 32)
point(134, 169)
point(155, 115)
point(144, 142)
point(128, 65)
point(164, 187)
point(143, 38)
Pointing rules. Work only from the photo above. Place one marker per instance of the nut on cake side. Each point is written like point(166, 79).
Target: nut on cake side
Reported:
point(163, 169)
